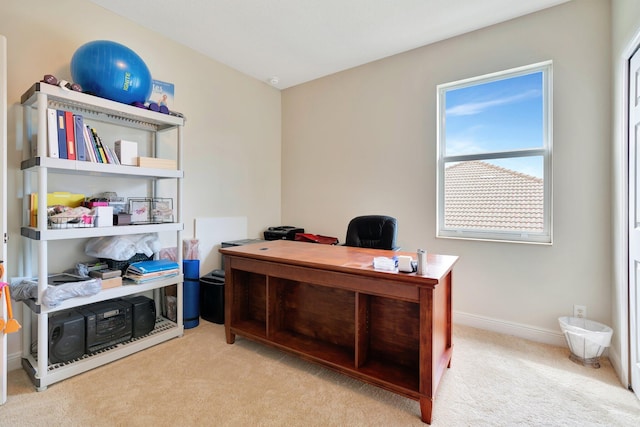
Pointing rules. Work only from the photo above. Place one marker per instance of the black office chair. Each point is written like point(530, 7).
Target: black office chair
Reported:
point(372, 231)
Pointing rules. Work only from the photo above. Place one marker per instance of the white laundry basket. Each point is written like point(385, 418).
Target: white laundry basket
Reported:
point(587, 339)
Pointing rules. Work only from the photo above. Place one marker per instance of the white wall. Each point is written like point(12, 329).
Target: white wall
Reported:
point(364, 141)
point(625, 36)
point(232, 134)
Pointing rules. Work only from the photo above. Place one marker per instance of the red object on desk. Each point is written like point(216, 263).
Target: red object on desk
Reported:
point(315, 238)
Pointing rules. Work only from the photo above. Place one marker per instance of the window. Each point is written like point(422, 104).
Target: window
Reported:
point(494, 156)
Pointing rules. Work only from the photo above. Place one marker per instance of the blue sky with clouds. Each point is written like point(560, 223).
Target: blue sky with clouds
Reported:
point(501, 115)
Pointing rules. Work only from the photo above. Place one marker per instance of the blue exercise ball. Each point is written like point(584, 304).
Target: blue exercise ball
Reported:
point(111, 70)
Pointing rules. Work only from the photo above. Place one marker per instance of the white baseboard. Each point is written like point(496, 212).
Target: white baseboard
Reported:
point(546, 336)
point(14, 361)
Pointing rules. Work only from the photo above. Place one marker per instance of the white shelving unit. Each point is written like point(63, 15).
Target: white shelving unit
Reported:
point(40, 97)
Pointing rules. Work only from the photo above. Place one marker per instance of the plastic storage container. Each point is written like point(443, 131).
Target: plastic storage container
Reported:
point(212, 296)
point(586, 338)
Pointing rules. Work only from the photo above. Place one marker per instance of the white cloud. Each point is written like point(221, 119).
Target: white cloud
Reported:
point(463, 146)
point(472, 108)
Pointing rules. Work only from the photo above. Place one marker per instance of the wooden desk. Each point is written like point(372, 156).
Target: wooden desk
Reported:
point(328, 305)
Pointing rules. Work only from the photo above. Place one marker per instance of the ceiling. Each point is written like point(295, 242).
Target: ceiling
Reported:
point(288, 42)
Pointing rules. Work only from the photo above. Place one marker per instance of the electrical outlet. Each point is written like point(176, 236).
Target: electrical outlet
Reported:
point(580, 311)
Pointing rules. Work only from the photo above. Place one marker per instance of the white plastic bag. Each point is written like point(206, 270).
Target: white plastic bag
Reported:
point(23, 288)
point(122, 248)
point(54, 295)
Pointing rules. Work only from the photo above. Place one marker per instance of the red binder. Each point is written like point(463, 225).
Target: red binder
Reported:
point(71, 140)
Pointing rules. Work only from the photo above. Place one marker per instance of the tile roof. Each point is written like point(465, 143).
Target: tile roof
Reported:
point(479, 195)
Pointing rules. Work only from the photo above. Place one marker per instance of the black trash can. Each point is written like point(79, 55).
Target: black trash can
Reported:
point(212, 296)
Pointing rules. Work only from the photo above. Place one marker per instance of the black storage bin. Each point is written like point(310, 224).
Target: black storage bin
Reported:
point(212, 296)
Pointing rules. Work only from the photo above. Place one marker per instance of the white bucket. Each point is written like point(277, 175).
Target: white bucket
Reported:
point(587, 339)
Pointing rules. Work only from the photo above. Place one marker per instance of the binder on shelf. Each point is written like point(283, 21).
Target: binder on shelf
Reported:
point(94, 144)
point(52, 134)
point(107, 153)
point(62, 135)
point(112, 155)
point(81, 152)
point(33, 210)
point(88, 142)
point(71, 141)
point(99, 147)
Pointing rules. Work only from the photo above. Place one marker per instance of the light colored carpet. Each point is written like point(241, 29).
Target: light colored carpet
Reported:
point(199, 380)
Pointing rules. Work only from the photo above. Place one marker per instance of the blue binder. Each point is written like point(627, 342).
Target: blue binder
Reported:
point(81, 148)
point(62, 135)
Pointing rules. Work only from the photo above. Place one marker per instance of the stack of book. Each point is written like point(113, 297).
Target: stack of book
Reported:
point(144, 271)
point(71, 138)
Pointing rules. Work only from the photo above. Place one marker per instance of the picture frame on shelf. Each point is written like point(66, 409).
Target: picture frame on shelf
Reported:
point(151, 210)
point(162, 210)
point(140, 210)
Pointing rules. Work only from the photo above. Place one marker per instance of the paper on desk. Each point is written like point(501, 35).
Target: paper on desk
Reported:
point(385, 264)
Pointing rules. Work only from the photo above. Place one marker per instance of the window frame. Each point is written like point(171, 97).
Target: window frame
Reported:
point(544, 237)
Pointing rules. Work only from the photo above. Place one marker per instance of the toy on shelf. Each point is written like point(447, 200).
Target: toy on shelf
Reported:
point(53, 80)
point(11, 325)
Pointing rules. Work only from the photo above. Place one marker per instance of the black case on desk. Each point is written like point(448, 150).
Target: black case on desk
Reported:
point(285, 232)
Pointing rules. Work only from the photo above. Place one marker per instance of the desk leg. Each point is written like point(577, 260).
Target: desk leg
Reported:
point(231, 337)
point(228, 296)
point(426, 406)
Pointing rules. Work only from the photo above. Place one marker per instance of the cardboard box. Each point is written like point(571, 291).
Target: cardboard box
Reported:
point(127, 152)
point(114, 282)
point(155, 163)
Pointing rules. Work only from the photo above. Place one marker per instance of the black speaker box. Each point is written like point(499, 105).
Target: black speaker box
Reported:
point(66, 336)
point(144, 315)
